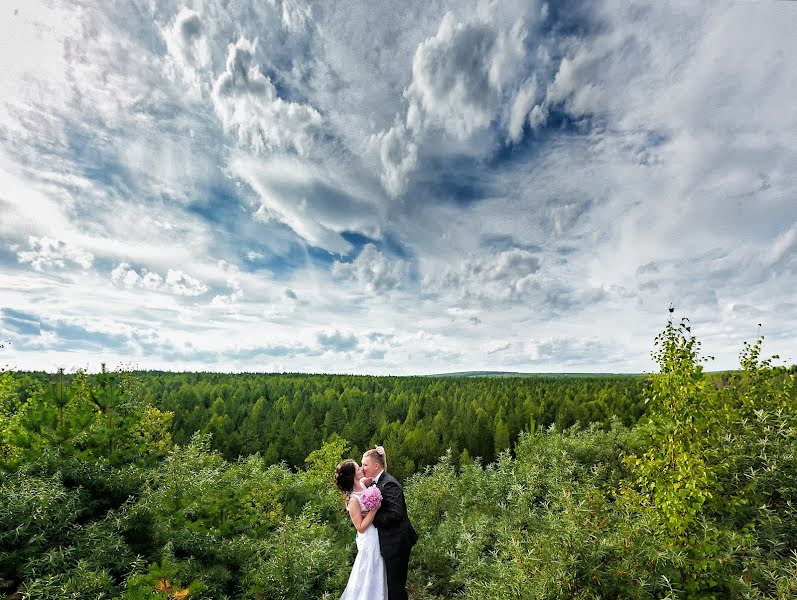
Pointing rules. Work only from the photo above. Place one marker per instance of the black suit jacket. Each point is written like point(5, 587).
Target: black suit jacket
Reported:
point(396, 535)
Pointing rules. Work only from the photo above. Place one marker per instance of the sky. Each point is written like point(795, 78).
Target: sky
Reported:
point(394, 188)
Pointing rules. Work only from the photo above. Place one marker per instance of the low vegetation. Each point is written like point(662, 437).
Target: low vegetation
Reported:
point(129, 486)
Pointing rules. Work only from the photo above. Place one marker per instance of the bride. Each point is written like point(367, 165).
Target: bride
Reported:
point(368, 577)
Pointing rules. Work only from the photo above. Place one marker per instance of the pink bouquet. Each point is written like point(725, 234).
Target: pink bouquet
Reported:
point(371, 498)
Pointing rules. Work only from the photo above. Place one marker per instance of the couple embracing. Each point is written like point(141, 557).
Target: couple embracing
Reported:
point(375, 502)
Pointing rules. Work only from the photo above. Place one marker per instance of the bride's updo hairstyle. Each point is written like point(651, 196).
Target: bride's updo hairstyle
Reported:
point(344, 475)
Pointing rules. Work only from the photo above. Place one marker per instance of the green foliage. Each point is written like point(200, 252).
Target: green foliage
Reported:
point(164, 580)
point(300, 561)
point(672, 478)
point(36, 514)
point(8, 406)
point(709, 484)
point(79, 583)
point(282, 416)
point(538, 526)
point(320, 463)
point(102, 418)
point(695, 501)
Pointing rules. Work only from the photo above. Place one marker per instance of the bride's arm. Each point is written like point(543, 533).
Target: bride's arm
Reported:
point(361, 521)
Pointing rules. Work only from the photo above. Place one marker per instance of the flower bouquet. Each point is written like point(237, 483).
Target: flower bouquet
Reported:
point(371, 498)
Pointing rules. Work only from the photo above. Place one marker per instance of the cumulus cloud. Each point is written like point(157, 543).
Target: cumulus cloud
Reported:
point(458, 75)
point(460, 79)
point(336, 341)
point(507, 275)
point(47, 253)
point(573, 87)
point(125, 276)
point(473, 75)
point(247, 103)
point(183, 284)
point(476, 77)
point(176, 282)
point(398, 155)
point(373, 271)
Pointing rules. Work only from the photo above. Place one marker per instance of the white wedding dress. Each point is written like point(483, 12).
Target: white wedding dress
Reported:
point(368, 579)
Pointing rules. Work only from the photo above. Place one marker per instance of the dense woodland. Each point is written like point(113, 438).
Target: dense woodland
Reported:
point(196, 485)
point(284, 416)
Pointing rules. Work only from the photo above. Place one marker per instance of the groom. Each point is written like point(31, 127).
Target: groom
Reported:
point(396, 535)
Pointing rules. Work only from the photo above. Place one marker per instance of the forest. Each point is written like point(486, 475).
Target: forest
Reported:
point(132, 485)
point(284, 416)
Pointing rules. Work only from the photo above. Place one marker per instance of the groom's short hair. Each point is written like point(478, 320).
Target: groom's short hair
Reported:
point(374, 455)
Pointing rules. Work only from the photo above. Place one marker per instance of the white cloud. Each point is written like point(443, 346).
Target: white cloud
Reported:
point(573, 84)
point(458, 76)
point(336, 341)
point(495, 346)
point(469, 315)
point(505, 276)
point(295, 15)
point(317, 204)
point(228, 299)
point(176, 282)
point(783, 248)
point(522, 105)
point(34, 31)
point(183, 284)
point(46, 253)
point(398, 155)
point(233, 280)
point(125, 276)
point(373, 271)
point(247, 103)
point(462, 82)
point(189, 50)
